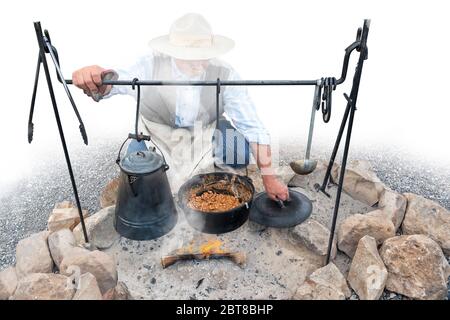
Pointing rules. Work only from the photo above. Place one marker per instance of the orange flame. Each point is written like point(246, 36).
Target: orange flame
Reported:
point(211, 247)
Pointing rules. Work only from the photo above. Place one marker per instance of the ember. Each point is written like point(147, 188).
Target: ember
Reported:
point(212, 249)
point(196, 246)
point(212, 246)
point(211, 201)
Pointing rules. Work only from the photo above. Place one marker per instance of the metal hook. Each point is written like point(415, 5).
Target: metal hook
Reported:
point(329, 85)
point(134, 83)
point(217, 113)
point(138, 99)
point(217, 102)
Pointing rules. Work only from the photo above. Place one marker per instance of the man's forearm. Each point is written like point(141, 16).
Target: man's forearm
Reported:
point(263, 156)
point(275, 189)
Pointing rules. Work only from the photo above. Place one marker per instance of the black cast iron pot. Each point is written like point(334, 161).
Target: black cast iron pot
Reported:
point(220, 182)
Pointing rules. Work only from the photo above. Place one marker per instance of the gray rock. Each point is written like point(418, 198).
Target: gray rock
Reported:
point(44, 286)
point(8, 283)
point(393, 205)
point(87, 288)
point(426, 217)
point(353, 228)
point(326, 283)
point(33, 255)
point(360, 181)
point(367, 275)
point(315, 237)
point(120, 292)
point(64, 218)
point(100, 229)
point(98, 263)
point(417, 267)
point(60, 243)
point(109, 193)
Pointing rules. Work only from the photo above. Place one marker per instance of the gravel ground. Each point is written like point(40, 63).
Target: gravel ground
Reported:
point(25, 206)
point(398, 169)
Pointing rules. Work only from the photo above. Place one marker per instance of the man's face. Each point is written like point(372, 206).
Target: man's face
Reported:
point(192, 67)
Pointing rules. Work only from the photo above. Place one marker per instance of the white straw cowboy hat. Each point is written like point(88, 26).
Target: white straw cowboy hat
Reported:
point(191, 38)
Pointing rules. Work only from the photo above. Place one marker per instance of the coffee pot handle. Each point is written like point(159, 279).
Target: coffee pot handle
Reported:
point(142, 137)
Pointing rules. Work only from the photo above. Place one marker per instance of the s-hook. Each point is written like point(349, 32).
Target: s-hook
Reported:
point(217, 102)
point(137, 136)
point(216, 131)
point(329, 85)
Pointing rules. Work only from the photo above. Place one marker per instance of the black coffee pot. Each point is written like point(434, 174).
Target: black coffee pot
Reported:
point(145, 208)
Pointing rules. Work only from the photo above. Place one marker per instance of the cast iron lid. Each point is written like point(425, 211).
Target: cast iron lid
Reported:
point(270, 213)
point(141, 162)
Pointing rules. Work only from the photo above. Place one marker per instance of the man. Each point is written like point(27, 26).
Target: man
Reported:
point(173, 116)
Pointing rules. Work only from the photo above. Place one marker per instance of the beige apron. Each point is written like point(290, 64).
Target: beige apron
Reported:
point(187, 151)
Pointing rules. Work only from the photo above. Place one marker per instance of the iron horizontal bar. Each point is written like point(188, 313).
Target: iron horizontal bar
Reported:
point(210, 83)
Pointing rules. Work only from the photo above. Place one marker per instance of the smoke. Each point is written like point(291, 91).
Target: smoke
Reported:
point(181, 235)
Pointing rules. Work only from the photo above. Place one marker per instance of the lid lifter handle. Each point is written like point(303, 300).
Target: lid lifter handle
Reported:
point(137, 136)
point(135, 84)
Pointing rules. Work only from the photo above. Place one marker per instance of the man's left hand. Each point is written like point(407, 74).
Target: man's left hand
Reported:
point(275, 189)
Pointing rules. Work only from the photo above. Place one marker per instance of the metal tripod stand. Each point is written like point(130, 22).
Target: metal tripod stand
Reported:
point(46, 47)
point(348, 115)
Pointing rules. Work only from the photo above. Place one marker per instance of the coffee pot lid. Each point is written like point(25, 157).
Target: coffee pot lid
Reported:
point(141, 162)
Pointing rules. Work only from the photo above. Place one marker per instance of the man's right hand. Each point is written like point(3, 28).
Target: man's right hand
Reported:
point(89, 79)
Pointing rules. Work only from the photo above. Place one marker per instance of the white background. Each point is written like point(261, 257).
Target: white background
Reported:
point(403, 101)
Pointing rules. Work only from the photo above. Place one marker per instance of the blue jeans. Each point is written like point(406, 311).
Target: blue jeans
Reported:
point(229, 146)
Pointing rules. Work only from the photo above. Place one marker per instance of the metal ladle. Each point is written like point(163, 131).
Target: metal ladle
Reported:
point(306, 166)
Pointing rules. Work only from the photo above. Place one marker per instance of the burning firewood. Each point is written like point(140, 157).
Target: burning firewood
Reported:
point(212, 249)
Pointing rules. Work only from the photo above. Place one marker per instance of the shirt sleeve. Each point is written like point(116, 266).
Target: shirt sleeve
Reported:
point(141, 69)
point(241, 110)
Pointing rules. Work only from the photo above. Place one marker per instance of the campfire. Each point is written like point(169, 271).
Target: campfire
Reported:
point(198, 250)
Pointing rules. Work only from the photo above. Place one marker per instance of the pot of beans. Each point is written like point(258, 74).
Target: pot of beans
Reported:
point(216, 202)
